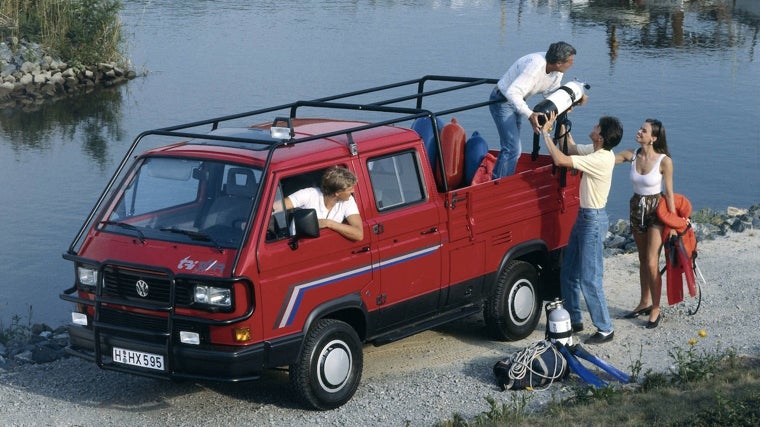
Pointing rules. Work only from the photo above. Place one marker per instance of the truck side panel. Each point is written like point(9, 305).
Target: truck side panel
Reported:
point(487, 220)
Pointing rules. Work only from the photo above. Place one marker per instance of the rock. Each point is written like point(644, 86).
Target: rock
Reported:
point(43, 345)
point(39, 79)
point(615, 241)
point(57, 78)
point(620, 227)
point(26, 79)
point(707, 225)
point(737, 227)
point(44, 355)
point(32, 65)
point(732, 211)
point(28, 67)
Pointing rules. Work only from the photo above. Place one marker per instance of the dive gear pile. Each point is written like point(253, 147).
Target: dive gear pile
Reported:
point(552, 359)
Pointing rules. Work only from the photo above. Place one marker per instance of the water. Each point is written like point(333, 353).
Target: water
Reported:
point(691, 64)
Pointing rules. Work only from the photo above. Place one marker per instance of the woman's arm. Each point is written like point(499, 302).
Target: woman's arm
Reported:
point(666, 169)
point(624, 156)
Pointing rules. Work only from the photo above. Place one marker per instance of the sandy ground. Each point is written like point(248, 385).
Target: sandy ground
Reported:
point(395, 387)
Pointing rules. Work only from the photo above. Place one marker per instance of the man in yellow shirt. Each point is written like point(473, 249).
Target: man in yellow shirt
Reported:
point(583, 262)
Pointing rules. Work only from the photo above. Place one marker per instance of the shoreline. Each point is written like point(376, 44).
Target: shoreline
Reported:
point(30, 77)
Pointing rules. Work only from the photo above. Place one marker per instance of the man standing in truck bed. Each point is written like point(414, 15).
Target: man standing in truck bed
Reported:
point(583, 263)
point(532, 74)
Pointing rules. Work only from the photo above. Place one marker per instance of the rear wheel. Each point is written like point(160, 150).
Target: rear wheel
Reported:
point(513, 311)
point(329, 368)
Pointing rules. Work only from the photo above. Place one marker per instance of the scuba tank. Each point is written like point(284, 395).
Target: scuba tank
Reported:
point(561, 99)
point(558, 325)
point(558, 102)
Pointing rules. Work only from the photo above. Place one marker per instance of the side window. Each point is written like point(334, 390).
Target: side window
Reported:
point(396, 180)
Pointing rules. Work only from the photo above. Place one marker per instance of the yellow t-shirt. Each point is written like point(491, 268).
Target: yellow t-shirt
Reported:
point(597, 169)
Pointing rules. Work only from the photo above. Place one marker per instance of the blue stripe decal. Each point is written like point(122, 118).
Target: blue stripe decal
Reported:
point(297, 292)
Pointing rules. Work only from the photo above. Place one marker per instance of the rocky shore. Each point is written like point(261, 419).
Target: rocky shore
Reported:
point(30, 76)
point(707, 225)
point(42, 344)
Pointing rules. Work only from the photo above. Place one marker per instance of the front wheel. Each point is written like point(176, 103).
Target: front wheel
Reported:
point(329, 368)
point(513, 311)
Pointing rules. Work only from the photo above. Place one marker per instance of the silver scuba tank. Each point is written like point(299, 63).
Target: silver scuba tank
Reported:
point(558, 325)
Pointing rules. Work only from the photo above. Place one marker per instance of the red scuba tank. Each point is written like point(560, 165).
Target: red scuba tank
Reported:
point(453, 139)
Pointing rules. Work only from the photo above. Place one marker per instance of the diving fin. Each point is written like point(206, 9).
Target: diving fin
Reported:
point(579, 369)
point(581, 352)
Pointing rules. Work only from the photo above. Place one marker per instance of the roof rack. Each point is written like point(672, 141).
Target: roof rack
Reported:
point(334, 102)
point(331, 102)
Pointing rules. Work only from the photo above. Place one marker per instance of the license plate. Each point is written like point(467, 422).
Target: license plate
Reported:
point(138, 358)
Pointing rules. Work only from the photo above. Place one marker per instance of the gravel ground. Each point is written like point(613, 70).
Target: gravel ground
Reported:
point(421, 380)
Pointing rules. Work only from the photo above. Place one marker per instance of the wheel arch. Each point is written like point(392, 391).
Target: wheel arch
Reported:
point(348, 308)
point(546, 262)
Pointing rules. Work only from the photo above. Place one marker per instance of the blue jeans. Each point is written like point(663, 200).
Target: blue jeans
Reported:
point(508, 125)
point(583, 268)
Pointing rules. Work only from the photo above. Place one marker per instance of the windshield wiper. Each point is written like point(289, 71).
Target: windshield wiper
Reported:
point(128, 226)
point(195, 235)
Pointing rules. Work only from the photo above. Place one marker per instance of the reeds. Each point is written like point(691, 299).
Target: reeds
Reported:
point(82, 32)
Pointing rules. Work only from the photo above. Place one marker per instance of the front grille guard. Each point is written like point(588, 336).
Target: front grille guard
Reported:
point(99, 327)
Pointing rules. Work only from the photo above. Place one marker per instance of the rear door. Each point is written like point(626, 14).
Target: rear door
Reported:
point(405, 231)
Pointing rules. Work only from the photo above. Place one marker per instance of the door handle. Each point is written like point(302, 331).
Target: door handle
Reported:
point(431, 231)
point(361, 251)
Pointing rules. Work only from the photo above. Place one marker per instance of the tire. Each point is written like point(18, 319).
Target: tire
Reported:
point(513, 311)
point(329, 368)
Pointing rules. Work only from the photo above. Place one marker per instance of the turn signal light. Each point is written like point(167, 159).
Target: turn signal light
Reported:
point(242, 334)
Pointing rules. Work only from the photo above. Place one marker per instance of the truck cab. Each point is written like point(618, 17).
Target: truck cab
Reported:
point(190, 266)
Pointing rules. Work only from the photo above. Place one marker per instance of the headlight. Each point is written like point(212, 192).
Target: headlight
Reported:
point(87, 276)
point(220, 297)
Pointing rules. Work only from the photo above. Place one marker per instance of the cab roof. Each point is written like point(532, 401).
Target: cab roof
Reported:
point(252, 144)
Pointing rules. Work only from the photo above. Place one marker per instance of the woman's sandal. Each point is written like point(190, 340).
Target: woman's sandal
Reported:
point(637, 313)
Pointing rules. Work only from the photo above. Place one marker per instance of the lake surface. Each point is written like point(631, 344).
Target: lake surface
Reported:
point(694, 65)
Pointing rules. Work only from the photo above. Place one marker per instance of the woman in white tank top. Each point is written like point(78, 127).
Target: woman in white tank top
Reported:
point(651, 170)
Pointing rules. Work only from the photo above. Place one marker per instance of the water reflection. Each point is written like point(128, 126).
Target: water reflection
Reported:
point(653, 27)
point(95, 116)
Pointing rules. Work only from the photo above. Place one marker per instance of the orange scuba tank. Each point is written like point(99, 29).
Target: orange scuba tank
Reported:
point(453, 139)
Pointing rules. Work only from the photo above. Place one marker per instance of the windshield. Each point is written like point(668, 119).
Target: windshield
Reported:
point(185, 200)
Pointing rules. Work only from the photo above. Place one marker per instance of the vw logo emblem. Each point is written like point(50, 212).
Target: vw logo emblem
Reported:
point(142, 288)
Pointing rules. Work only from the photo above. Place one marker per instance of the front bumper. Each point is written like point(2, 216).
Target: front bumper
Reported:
point(207, 363)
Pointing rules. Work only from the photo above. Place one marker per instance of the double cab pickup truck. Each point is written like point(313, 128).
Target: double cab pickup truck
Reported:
point(190, 266)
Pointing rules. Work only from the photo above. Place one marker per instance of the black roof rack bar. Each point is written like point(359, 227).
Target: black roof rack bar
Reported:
point(324, 102)
point(470, 81)
point(421, 94)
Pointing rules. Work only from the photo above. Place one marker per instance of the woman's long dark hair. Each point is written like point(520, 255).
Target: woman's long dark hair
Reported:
point(658, 131)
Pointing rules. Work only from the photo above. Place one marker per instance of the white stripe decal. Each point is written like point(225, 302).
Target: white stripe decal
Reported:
point(297, 292)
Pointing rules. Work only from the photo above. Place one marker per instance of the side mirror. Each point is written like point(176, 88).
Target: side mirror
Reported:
point(303, 223)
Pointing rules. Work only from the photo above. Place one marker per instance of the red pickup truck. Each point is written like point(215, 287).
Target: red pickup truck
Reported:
point(188, 268)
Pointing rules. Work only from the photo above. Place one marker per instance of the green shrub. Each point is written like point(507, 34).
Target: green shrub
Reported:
point(82, 32)
point(17, 331)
